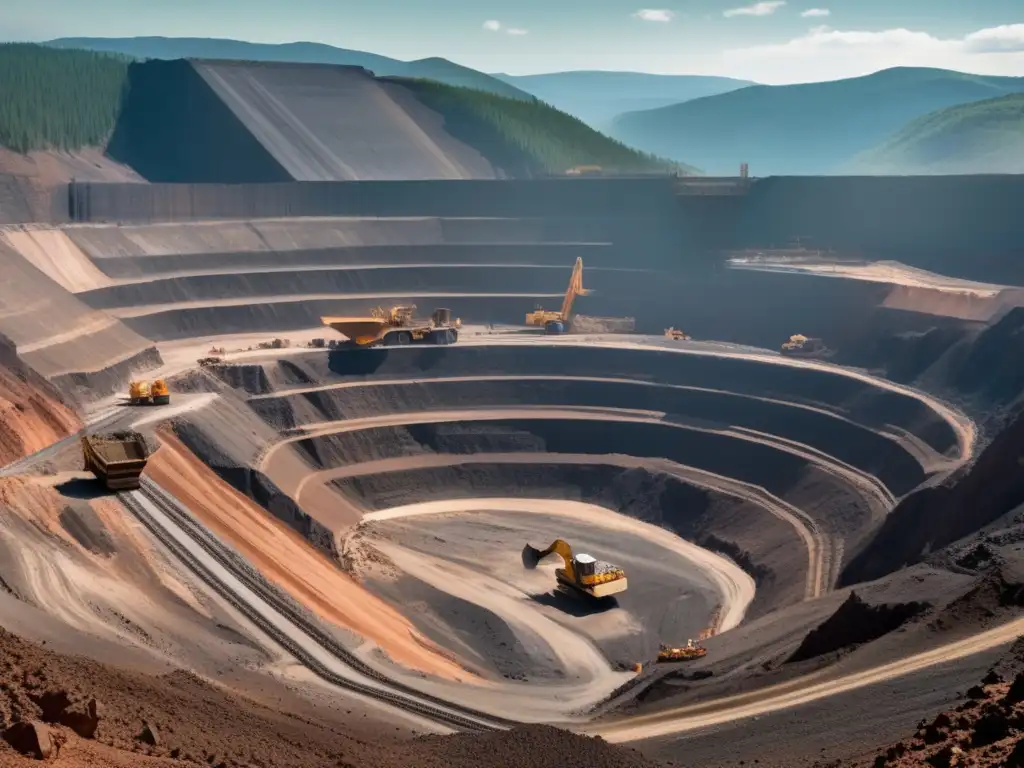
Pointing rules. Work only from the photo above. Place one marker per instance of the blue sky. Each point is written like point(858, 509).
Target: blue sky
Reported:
point(769, 41)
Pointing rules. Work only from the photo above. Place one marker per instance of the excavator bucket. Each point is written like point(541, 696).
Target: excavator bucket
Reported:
point(531, 556)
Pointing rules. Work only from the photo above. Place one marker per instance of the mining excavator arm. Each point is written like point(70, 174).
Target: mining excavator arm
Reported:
point(556, 322)
point(582, 574)
point(532, 556)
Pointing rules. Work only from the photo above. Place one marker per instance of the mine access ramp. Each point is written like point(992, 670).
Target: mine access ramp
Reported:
point(116, 458)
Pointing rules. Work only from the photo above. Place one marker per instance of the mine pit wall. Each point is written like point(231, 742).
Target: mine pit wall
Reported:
point(760, 544)
point(228, 438)
point(859, 447)
point(86, 387)
point(87, 353)
point(595, 255)
point(963, 226)
point(856, 400)
point(757, 464)
point(439, 280)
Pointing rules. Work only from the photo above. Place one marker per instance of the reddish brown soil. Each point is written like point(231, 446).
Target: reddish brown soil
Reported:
point(292, 563)
point(985, 731)
point(198, 723)
point(33, 414)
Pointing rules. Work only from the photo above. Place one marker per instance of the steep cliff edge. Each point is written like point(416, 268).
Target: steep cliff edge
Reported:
point(935, 517)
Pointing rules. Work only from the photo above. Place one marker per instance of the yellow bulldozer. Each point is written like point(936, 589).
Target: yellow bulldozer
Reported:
point(146, 393)
point(676, 335)
point(581, 574)
point(558, 322)
point(689, 652)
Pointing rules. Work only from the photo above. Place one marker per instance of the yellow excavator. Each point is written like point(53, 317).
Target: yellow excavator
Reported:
point(582, 574)
point(146, 393)
point(558, 322)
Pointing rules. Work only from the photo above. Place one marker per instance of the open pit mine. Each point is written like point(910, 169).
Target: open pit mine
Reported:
point(320, 545)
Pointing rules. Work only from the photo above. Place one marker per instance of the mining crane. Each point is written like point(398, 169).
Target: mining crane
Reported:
point(582, 574)
point(558, 322)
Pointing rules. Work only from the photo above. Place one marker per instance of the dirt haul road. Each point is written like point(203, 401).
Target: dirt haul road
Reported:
point(796, 692)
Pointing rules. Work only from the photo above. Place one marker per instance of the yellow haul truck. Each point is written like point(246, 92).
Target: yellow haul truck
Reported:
point(116, 458)
point(582, 574)
point(397, 325)
point(145, 393)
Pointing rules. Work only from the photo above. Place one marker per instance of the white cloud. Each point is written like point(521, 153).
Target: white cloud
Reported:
point(832, 53)
point(816, 13)
point(764, 8)
point(492, 26)
point(654, 14)
point(1008, 38)
point(517, 31)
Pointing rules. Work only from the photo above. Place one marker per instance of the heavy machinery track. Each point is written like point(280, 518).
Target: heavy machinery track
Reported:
point(400, 696)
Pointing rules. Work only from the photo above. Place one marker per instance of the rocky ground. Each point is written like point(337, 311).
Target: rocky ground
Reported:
point(985, 730)
point(81, 713)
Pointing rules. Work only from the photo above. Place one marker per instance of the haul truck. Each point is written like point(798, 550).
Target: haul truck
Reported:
point(582, 574)
point(397, 325)
point(116, 458)
point(145, 393)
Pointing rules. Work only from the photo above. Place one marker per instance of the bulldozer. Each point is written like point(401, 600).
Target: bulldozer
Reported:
point(690, 652)
point(582, 574)
point(805, 346)
point(676, 335)
point(397, 325)
point(558, 322)
point(146, 393)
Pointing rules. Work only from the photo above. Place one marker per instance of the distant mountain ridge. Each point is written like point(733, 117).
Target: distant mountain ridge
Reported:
point(809, 128)
point(434, 68)
point(980, 137)
point(598, 97)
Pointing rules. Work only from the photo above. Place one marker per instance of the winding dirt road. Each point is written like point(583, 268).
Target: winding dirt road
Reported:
point(797, 692)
